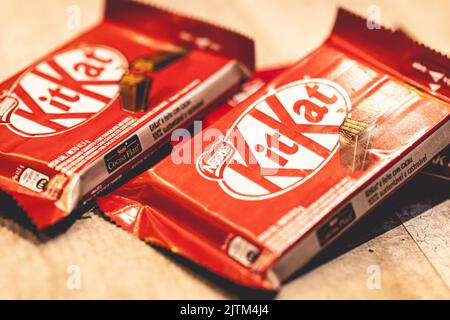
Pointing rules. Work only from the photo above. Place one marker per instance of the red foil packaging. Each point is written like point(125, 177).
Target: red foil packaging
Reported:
point(65, 135)
point(262, 190)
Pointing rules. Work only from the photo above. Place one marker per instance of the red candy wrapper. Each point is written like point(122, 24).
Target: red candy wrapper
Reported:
point(66, 135)
point(276, 179)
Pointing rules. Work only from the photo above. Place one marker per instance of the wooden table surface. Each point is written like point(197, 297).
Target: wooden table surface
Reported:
point(400, 251)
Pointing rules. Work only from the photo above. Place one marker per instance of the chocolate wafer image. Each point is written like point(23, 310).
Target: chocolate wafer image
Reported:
point(134, 90)
point(355, 135)
point(359, 128)
point(157, 61)
point(355, 139)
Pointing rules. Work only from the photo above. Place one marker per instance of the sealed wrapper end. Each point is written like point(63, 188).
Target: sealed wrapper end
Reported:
point(82, 117)
point(297, 163)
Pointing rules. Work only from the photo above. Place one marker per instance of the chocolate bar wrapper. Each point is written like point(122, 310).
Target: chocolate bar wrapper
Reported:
point(66, 135)
point(297, 163)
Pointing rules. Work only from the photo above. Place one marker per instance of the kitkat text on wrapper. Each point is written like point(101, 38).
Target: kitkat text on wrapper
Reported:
point(64, 91)
point(286, 135)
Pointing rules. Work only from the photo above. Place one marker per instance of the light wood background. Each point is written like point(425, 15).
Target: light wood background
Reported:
point(406, 239)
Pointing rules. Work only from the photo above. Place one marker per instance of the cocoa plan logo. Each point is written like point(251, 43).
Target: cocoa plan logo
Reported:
point(279, 142)
point(62, 91)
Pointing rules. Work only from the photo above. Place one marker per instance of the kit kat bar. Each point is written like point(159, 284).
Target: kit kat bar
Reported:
point(355, 140)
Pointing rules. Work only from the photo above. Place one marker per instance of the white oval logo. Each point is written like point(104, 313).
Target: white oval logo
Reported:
point(65, 90)
point(280, 141)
